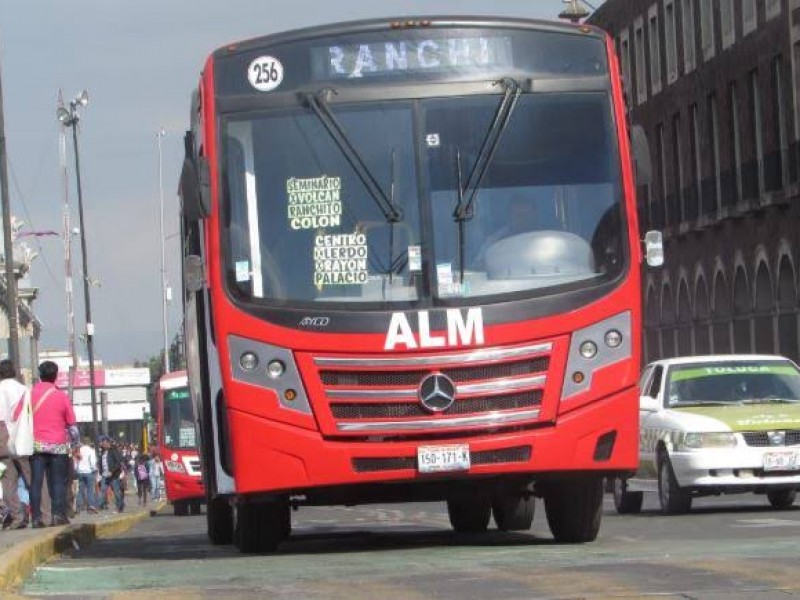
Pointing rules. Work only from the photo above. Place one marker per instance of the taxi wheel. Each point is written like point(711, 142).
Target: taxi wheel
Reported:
point(781, 498)
point(219, 521)
point(574, 509)
point(626, 503)
point(469, 515)
point(672, 498)
point(513, 512)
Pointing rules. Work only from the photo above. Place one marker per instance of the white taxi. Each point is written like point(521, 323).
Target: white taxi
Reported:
point(715, 425)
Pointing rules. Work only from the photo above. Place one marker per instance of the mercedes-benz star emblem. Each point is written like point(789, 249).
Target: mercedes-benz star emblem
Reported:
point(437, 392)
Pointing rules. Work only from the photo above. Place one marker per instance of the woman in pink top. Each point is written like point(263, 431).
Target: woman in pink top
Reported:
point(53, 427)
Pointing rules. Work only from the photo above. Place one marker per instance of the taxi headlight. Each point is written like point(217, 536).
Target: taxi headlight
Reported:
point(724, 439)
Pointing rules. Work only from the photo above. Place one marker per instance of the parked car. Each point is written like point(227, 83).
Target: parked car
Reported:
point(716, 425)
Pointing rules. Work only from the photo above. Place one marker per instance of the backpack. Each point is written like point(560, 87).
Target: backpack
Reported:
point(141, 472)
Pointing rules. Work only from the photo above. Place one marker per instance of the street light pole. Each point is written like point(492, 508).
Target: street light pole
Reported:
point(161, 133)
point(8, 254)
point(70, 117)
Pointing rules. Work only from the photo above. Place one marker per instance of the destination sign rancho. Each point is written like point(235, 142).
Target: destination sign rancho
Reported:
point(413, 56)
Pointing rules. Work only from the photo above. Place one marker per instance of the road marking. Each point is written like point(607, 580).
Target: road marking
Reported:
point(766, 523)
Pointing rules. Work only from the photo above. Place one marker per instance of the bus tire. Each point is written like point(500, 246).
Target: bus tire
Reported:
point(219, 520)
point(574, 509)
point(260, 526)
point(180, 508)
point(673, 499)
point(513, 512)
point(469, 515)
point(626, 503)
point(781, 499)
point(194, 508)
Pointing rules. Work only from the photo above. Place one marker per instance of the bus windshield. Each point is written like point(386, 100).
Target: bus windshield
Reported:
point(178, 425)
point(442, 198)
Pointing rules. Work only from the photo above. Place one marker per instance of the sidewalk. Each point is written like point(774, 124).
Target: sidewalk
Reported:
point(21, 551)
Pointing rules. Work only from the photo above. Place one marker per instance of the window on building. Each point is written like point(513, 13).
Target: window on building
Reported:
point(727, 23)
point(714, 197)
point(687, 13)
point(772, 8)
point(749, 19)
point(780, 158)
point(625, 61)
point(671, 33)
point(736, 144)
point(707, 28)
point(697, 162)
point(654, 37)
point(638, 48)
point(757, 130)
point(677, 161)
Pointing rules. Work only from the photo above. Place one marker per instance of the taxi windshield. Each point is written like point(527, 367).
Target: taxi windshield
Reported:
point(742, 382)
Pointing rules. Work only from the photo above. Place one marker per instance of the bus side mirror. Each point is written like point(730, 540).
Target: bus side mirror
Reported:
point(195, 190)
point(193, 273)
point(641, 156)
point(654, 248)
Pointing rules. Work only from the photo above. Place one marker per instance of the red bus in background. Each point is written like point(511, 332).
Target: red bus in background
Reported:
point(177, 444)
point(412, 273)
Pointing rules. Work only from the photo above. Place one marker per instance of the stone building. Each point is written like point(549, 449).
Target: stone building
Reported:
point(715, 83)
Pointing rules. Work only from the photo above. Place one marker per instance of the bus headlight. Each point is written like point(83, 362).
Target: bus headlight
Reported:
point(248, 361)
point(275, 368)
point(720, 439)
point(613, 338)
point(588, 349)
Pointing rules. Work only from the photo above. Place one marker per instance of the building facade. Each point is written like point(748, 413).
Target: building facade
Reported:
point(715, 83)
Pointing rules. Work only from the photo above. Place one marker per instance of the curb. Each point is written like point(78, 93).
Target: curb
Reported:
point(19, 562)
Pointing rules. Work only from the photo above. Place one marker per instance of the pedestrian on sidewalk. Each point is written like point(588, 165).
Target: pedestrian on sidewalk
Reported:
point(156, 475)
point(16, 467)
point(87, 477)
point(111, 470)
point(54, 429)
point(142, 479)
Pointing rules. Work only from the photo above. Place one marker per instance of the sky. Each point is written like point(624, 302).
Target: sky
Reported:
point(139, 61)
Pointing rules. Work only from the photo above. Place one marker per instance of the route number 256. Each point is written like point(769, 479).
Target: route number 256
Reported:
point(265, 73)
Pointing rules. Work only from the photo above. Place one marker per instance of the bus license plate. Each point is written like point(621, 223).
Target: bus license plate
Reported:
point(781, 461)
point(435, 459)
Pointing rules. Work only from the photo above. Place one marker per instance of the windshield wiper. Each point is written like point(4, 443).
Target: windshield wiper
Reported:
point(467, 193)
point(771, 400)
point(682, 403)
point(319, 105)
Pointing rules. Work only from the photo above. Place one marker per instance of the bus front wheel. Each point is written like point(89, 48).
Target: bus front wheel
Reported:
point(261, 526)
point(219, 518)
point(574, 509)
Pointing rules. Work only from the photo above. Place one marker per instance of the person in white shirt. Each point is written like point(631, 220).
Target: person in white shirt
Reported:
point(11, 392)
point(86, 469)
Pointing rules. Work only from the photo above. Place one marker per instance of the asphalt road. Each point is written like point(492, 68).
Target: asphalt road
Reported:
point(727, 548)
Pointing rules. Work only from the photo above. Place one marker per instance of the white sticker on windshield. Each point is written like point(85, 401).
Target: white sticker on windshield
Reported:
point(187, 437)
point(314, 203)
point(414, 259)
point(242, 270)
point(432, 140)
point(265, 73)
point(340, 259)
point(444, 274)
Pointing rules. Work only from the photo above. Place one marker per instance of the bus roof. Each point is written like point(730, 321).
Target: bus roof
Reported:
point(400, 23)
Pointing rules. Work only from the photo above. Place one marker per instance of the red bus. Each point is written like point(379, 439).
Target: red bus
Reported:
point(412, 273)
point(177, 444)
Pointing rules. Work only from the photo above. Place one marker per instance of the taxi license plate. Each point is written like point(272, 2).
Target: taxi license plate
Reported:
point(781, 461)
point(435, 459)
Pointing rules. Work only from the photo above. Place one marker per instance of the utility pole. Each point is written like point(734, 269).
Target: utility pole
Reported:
point(8, 244)
point(62, 154)
point(161, 133)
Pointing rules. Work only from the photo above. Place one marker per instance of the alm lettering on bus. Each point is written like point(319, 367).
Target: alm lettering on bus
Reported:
point(409, 56)
point(461, 331)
